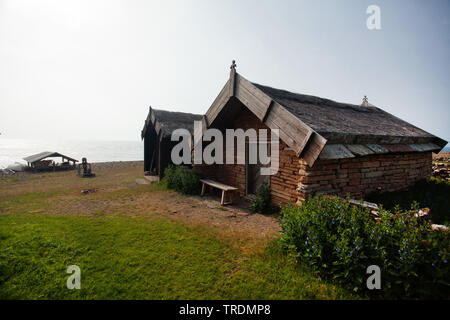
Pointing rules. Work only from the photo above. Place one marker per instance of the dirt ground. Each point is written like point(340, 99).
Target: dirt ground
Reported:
point(118, 189)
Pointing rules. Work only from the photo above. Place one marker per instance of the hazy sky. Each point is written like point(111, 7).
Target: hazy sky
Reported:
point(90, 69)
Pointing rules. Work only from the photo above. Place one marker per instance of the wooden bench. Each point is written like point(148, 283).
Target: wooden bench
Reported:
point(225, 189)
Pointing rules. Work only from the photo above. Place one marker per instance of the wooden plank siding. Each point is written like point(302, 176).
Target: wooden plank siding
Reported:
point(425, 147)
point(335, 151)
point(359, 149)
point(377, 148)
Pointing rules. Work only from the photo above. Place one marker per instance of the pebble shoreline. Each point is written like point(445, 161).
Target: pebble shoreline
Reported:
point(116, 164)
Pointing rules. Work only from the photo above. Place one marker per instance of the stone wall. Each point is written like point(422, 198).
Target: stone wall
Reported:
point(284, 184)
point(363, 175)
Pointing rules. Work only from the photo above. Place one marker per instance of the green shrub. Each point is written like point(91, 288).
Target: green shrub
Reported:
point(169, 177)
point(182, 179)
point(341, 241)
point(262, 202)
point(434, 194)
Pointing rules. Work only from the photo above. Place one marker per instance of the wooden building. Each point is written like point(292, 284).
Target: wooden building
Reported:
point(156, 134)
point(40, 162)
point(326, 146)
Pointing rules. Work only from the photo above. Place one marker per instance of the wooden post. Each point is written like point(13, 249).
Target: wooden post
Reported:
point(222, 201)
point(203, 189)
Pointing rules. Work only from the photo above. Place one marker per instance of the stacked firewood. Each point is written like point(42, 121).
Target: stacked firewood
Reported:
point(441, 169)
point(421, 214)
point(442, 157)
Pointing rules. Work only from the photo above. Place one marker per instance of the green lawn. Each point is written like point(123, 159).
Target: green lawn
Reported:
point(142, 258)
point(129, 244)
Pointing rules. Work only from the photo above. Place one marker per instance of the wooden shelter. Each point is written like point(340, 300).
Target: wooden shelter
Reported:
point(326, 146)
point(156, 134)
point(39, 162)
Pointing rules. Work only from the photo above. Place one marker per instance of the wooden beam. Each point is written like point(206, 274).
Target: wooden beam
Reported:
point(218, 103)
point(204, 123)
point(157, 127)
point(252, 97)
point(313, 148)
point(152, 117)
point(267, 111)
point(293, 131)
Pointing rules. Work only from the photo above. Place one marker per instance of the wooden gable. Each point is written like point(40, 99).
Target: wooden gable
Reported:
point(306, 143)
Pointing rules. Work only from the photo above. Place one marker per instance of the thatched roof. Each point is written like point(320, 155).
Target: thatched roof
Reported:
point(168, 121)
point(314, 126)
point(348, 123)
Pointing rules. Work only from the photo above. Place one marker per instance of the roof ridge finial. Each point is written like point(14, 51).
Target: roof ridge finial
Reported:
point(365, 101)
point(233, 65)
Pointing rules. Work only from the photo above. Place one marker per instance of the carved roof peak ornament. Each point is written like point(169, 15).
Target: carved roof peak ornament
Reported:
point(233, 65)
point(365, 102)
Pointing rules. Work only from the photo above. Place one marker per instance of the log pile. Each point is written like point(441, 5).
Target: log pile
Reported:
point(441, 165)
point(441, 170)
point(421, 214)
point(442, 157)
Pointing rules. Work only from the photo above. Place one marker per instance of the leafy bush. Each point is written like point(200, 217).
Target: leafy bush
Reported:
point(262, 202)
point(182, 179)
point(342, 240)
point(434, 194)
point(170, 179)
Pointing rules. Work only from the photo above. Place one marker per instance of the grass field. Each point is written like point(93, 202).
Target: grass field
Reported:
point(130, 245)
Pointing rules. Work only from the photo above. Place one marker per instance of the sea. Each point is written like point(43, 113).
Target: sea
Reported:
point(14, 150)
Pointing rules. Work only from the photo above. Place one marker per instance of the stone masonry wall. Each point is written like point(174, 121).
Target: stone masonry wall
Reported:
point(363, 175)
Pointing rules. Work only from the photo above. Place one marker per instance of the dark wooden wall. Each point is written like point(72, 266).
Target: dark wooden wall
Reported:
point(150, 150)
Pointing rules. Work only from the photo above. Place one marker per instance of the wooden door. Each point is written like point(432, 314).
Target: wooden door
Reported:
point(253, 171)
